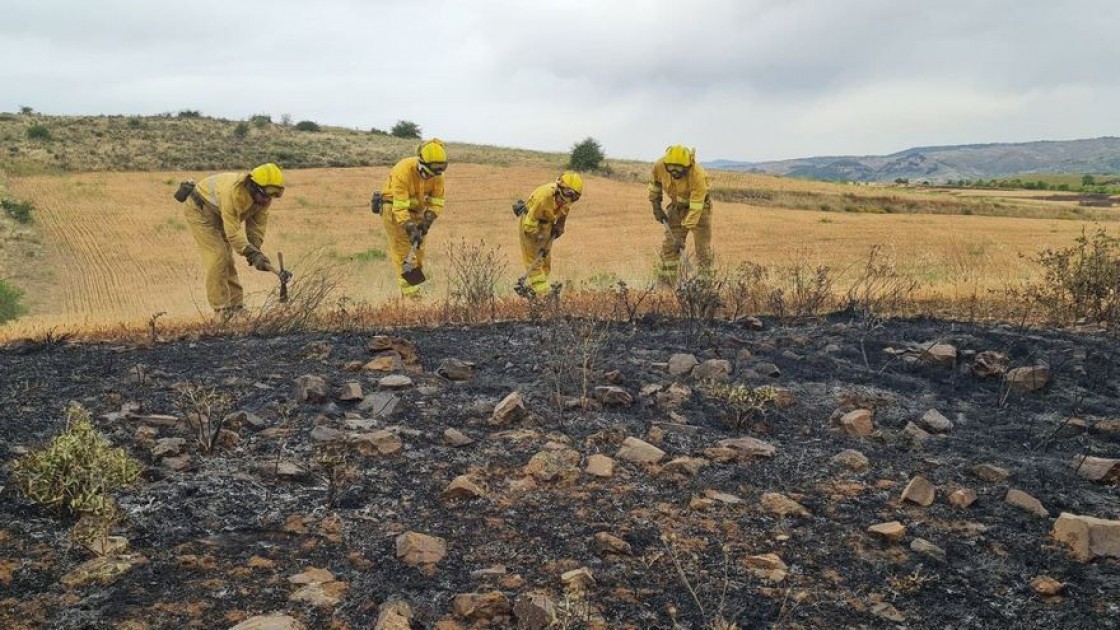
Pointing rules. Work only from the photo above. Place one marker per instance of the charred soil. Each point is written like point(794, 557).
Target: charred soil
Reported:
point(306, 477)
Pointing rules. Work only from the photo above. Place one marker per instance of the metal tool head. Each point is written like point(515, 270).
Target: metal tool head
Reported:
point(412, 273)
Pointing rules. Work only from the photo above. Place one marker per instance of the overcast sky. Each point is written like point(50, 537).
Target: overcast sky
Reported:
point(738, 79)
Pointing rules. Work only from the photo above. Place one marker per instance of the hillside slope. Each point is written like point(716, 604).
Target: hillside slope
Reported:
point(148, 143)
point(943, 163)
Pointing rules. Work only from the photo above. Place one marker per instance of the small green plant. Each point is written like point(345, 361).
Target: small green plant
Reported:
point(10, 302)
point(406, 129)
point(38, 132)
point(370, 255)
point(171, 224)
point(261, 121)
point(308, 125)
point(241, 131)
point(135, 123)
point(378, 132)
point(1080, 281)
point(77, 471)
point(742, 404)
point(586, 156)
point(18, 210)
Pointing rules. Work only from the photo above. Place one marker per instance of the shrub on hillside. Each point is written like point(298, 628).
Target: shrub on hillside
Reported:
point(77, 471)
point(1080, 281)
point(11, 306)
point(261, 121)
point(38, 132)
point(18, 210)
point(308, 125)
point(241, 130)
point(406, 129)
point(135, 123)
point(26, 110)
point(586, 156)
point(190, 113)
point(378, 132)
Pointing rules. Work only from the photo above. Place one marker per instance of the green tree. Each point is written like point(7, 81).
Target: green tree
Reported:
point(308, 125)
point(586, 155)
point(1088, 180)
point(406, 129)
point(26, 110)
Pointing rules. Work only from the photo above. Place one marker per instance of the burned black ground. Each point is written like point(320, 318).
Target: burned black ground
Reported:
point(199, 528)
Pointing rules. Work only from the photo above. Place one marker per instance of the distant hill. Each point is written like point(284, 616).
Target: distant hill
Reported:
point(33, 143)
point(940, 164)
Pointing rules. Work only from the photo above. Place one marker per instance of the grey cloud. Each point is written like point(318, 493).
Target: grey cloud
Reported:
point(749, 79)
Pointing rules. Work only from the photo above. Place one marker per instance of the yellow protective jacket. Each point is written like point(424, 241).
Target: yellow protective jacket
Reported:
point(544, 211)
point(408, 191)
point(690, 190)
point(243, 221)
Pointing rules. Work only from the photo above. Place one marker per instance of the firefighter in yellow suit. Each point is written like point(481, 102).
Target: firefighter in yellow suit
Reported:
point(413, 195)
point(227, 214)
point(689, 209)
point(542, 220)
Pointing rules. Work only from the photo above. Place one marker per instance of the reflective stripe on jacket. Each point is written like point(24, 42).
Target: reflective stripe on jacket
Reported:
point(690, 190)
point(412, 194)
point(544, 211)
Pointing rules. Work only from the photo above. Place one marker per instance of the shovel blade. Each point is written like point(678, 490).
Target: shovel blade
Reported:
point(414, 276)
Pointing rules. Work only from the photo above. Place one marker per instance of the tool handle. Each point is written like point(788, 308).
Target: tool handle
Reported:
point(280, 259)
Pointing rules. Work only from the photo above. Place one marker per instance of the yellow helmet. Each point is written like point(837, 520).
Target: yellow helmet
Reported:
point(570, 185)
point(679, 155)
point(268, 179)
point(433, 157)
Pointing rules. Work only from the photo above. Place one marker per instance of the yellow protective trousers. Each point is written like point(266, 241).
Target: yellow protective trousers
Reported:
point(399, 246)
point(671, 247)
point(223, 288)
point(536, 276)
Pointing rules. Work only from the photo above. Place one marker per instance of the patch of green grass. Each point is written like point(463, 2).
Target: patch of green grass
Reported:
point(171, 224)
point(11, 306)
point(603, 280)
point(370, 255)
point(18, 210)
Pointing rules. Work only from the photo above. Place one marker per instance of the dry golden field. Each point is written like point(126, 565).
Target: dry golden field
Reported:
point(116, 248)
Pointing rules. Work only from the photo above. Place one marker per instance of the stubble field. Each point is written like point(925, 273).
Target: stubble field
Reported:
point(115, 246)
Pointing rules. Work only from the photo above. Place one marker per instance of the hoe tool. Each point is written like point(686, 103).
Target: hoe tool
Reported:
point(679, 244)
point(523, 289)
point(284, 276)
point(412, 273)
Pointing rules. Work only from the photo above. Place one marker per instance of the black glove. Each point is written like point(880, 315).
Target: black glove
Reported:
point(414, 231)
point(375, 202)
point(519, 208)
point(258, 260)
point(429, 219)
point(658, 214)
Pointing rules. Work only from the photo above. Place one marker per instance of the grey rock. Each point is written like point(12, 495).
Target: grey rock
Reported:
point(379, 404)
